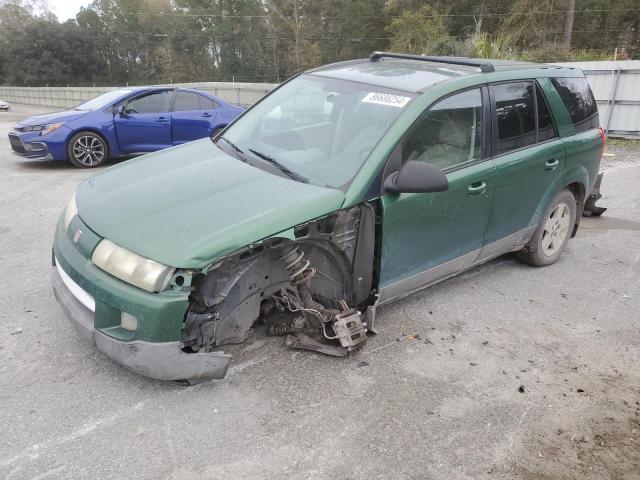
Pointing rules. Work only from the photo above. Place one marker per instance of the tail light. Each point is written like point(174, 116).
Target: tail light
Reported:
point(603, 137)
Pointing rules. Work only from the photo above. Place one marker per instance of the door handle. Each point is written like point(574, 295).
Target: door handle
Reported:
point(162, 119)
point(551, 164)
point(207, 115)
point(477, 188)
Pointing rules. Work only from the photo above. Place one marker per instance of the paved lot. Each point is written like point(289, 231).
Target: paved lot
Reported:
point(434, 396)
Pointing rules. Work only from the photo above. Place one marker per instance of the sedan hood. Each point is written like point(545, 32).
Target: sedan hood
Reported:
point(187, 206)
point(52, 117)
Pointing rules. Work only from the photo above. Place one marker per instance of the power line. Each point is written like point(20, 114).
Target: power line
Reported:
point(272, 37)
point(329, 17)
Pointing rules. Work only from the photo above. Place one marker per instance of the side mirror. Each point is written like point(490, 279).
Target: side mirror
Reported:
point(416, 177)
point(121, 110)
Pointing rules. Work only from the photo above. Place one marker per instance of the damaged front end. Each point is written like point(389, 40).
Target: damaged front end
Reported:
point(311, 288)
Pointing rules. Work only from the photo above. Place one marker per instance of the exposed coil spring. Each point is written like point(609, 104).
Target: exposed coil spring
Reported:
point(300, 270)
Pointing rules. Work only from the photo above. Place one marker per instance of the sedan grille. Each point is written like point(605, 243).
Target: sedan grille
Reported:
point(16, 144)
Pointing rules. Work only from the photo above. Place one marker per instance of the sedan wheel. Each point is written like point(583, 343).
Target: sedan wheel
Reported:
point(87, 150)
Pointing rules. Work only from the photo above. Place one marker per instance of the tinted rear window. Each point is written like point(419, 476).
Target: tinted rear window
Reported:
point(207, 103)
point(516, 114)
point(578, 99)
point(186, 101)
point(546, 129)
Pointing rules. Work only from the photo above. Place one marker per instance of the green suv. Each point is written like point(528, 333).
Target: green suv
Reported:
point(347, 187)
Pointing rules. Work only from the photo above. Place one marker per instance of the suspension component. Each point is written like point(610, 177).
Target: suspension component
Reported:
point(350, 331)
point(300, 272)
point(346, 323)
point(283, 328)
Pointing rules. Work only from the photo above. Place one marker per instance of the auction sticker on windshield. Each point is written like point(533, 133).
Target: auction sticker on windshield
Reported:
point(386, 99)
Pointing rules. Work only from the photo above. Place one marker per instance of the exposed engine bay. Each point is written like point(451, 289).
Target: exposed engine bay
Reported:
point(313, 289)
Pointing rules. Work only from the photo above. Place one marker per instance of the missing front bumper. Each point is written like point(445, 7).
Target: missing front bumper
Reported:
point(162, 361)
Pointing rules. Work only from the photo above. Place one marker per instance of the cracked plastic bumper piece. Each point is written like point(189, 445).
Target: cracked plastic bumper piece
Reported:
point(162, 361)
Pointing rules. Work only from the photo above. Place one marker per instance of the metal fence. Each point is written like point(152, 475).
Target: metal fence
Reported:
point(242, 94)
point(616, 86)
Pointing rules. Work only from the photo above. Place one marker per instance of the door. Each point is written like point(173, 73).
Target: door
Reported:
point(429, 236)
point(529, 159)
point(193, 117)
point(144, 124)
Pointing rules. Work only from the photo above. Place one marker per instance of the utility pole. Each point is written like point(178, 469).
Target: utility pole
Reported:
point(568, 24)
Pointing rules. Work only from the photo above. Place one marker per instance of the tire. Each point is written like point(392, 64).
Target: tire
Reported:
point(87, 150)
point(553, 232)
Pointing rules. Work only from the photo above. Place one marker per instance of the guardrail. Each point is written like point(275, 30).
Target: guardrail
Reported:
point(242, 94)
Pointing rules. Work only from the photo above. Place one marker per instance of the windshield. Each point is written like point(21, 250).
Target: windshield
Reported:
point(321, 129)
point(104, 100)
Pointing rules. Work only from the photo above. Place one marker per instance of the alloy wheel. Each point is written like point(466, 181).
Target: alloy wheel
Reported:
point(556, 229)
point(88, 150)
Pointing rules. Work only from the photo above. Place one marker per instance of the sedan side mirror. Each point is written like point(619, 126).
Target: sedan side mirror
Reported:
point(121, 110)
point(416, 177)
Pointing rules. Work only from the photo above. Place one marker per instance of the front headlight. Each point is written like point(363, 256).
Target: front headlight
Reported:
point(43, 129)
point(131, 267)
point(52, 127)
point(70, 211)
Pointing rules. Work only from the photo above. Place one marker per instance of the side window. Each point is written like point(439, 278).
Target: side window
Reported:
point(449, 134)
point(516, 115)
point(578, 98)
point(156, 102)
point(546, 129)
point(186, 101)
point(206, 103)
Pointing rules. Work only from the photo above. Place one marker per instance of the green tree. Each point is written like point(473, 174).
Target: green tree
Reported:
point(420, 31)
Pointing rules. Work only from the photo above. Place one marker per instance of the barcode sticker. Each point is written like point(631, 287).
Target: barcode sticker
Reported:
point(386, 99)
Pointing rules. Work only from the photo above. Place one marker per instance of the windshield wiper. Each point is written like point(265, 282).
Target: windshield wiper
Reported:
point(241, 155)
point(233, 145)
point(280, 166)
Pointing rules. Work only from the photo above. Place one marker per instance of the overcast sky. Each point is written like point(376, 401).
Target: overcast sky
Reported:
point(66, 9)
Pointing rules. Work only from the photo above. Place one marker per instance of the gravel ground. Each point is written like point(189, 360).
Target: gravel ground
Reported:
point(504, 372)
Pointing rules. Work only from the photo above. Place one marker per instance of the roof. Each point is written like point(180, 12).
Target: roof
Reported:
point(413, 73)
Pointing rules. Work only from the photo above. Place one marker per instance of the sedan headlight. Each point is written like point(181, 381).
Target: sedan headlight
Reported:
point(70, 211)
point(43, 129)
point(131, 267)
point(52, 127)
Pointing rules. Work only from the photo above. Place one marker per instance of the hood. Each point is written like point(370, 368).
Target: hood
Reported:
point(66, 116)
point(189, 205)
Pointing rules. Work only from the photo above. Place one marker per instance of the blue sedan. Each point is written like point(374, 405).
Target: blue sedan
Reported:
point(122, 122)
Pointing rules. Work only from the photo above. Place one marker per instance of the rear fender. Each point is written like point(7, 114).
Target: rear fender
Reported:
point(575, 175)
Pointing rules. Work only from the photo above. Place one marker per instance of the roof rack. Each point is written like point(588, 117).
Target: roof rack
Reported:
point(482, 65)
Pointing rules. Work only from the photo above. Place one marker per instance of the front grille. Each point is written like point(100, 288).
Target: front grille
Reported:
point(16, 144)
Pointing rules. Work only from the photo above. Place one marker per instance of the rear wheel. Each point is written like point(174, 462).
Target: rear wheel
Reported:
point(87, 150)
point(553, 232)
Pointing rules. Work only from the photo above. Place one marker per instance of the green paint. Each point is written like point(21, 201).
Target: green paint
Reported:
point(190, 205)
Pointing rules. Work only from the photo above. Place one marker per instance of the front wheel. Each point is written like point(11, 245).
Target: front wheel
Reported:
point(87, 150)
point(553, 232)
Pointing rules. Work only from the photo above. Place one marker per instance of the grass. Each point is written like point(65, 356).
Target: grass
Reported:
point(624, 142)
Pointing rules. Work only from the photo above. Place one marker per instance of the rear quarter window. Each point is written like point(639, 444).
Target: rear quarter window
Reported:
point(578, 98)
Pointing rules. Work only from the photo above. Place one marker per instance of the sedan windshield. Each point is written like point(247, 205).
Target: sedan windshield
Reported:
point(320, 129)
point(104, 100)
